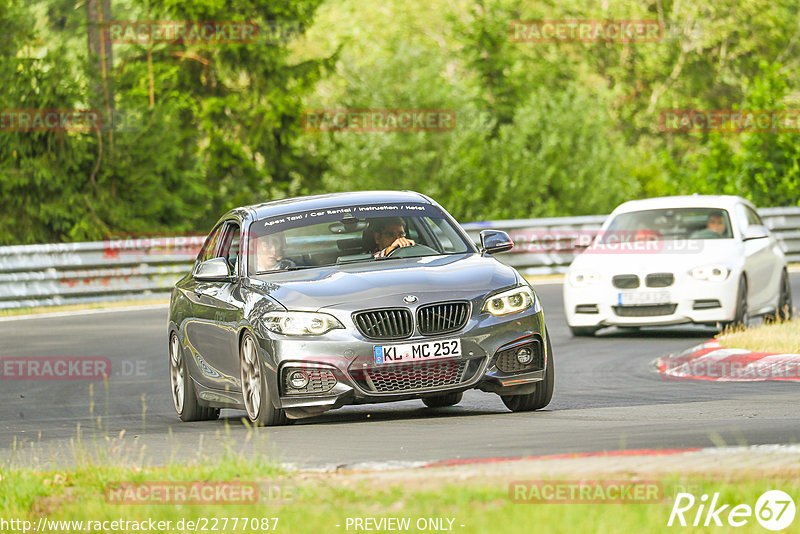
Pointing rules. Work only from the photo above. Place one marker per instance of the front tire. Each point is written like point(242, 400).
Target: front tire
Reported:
point(184, 397)
point(742, 317)
point(441, 401)
point(543, 393)
point(255, 392)
point(784, 311)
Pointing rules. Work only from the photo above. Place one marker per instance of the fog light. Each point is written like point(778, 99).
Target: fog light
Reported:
point(298, 379)
point(524, 356)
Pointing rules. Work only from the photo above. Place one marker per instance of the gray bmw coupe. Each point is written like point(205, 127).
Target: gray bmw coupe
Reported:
point(299, 306)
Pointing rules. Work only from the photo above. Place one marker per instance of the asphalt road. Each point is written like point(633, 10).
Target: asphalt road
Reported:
point(607, 397)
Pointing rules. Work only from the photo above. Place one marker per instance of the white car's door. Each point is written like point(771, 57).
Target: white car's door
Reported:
point(762, 267)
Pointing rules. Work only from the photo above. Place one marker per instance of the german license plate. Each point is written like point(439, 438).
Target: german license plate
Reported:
point(416, 352)
point(643, 297)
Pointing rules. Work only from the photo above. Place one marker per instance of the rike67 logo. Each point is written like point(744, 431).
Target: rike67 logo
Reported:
point(774, 510)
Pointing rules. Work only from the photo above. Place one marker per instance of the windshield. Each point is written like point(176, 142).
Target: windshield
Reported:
point(354, 234)
point(668, 225)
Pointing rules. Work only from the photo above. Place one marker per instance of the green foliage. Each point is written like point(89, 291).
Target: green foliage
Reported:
point(514, 153)
point(566, 128)
point(761, 166)
point(542, 129)
point(39, 178)
point(193, 130)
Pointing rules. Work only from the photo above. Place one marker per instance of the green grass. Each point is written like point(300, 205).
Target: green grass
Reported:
point(319, 502)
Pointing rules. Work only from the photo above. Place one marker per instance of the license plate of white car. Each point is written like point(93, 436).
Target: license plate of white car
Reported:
point(416, 352)
point(643, 297)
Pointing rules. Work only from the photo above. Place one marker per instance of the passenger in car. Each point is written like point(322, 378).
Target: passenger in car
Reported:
point(389, 234)
point(269, 254)
point(715, 227)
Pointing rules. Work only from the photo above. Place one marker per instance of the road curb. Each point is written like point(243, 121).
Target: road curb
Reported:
point(565, 456)
point(713, 361)
point(725, 461)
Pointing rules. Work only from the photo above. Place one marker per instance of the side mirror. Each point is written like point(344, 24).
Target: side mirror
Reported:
point(494, 241)
point(755, 232)
point(215, 270)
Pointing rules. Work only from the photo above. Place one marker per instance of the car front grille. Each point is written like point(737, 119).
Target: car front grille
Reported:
point(625, 281)
point(395, 323)
point(319, 381)
point(415, 376)
point(442, 318)
point(650, 310)
point(506, 360)
point(659, 279)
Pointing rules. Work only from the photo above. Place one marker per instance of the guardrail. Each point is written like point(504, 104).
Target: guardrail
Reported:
point(69, 273)
point(136, 268)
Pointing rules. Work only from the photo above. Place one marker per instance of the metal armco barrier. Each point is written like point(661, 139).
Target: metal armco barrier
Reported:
point(43, 275)
point(135, 268)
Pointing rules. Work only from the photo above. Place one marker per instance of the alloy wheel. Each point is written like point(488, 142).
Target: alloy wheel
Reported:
point(251, 378)
point(176, 373)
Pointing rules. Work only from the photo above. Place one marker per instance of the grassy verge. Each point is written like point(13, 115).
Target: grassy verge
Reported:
point(781, 337)
point(321, 503)
point(81, 307)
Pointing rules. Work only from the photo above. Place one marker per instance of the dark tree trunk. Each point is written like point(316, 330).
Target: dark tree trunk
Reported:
point(98, 14)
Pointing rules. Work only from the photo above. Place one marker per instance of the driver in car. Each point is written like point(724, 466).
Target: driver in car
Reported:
point(715, 227)
point(390, 234)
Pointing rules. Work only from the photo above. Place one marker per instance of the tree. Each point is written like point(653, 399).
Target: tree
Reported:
point(190, 129)
point(763, 166)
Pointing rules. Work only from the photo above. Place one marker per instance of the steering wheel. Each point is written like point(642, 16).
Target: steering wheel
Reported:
point(285, 264)
point(412, 250)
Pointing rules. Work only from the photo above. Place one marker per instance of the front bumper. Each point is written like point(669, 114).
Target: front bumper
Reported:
point(690, 301)
point(349, 357)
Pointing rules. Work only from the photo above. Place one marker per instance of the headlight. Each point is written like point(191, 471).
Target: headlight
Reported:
point(511, 301)
point(300, 323)
point(583, 278)
point(712, 273)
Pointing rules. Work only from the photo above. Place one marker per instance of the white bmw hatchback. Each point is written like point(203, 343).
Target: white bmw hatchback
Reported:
point(672, 260)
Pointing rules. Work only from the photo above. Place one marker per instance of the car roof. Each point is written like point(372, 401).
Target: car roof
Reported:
point(332, 200)
point(726, 202)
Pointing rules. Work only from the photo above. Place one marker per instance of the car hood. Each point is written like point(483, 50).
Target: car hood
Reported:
point(386, 282)
point(661, 257)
